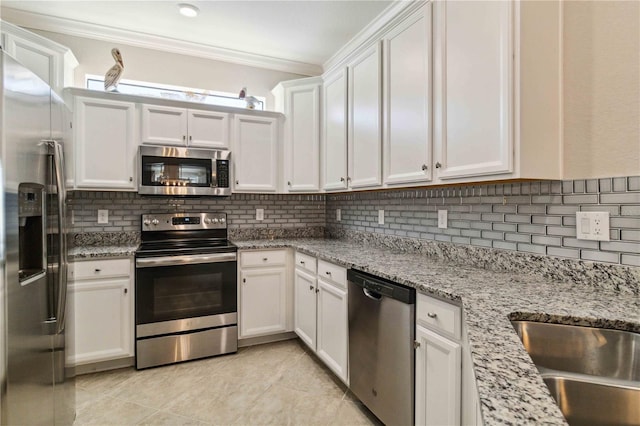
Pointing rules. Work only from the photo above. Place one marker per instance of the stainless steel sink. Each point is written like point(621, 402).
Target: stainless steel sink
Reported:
point(592, 373)
point(587, 403)
point(586, 350)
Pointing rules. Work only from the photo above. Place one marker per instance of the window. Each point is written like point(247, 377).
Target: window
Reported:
point(143, 88)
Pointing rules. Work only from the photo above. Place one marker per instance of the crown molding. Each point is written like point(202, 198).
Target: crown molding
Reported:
point(382, 23)
point(150, 41)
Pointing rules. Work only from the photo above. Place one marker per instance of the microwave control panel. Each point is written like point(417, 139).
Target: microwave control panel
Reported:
point(222, 173)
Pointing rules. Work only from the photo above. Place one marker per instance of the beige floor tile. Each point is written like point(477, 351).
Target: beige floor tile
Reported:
point(353, 413)
point(309, 376)
point(163, 418)
point(104, 382)
point(111, 411)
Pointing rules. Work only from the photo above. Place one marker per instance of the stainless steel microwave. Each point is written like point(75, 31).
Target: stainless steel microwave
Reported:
point(176, 171)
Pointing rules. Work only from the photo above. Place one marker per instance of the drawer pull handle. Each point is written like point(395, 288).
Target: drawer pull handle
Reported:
point(97, 270)
point(431, 314)
point(264, 259)
point(328, 273)
point(302, 262)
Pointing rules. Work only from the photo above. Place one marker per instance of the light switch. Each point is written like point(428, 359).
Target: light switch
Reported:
point(442, 219)
point(103, 216)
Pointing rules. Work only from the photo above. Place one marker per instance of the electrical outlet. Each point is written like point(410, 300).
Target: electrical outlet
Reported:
point(338, 215)
point(259, 214)
point(442, 219)
point(103, 216)
point(380, 217)
point(592, 226)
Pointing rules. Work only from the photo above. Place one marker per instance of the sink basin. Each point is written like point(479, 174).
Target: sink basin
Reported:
point(586, 350)
point(587, 403)
point(592, 373)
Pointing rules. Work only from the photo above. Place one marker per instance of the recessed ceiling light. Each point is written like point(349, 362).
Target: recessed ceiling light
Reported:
point(188, 10)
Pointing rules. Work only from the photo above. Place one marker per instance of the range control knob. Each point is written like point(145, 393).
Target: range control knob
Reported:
point(207, 221)
point(223, 220)
point(215, 220)
point(147, 222)
point(155, 221)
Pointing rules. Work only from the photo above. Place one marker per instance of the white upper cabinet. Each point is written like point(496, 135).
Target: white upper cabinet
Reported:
point(497, 90)
point(300, 103)
point(104, 144)
point(365, 105)
point(407, 142)
point(334, 140)
point(255, 153)
point(163, 125)
point(50, 61)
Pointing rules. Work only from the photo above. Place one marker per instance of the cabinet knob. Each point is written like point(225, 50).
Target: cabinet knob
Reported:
point(341, 179)
point(237, 182)
point(302, 262)
point(190, 138)
point(289, 183)
point(97, 270)
point(317, 290)
point(130, 179)
point(244, 280)
point(310, 287)
point(126, 290)
point(184, 137)
point(424, 167)
point(328, 273)
point(416, 344)
point(264, 259)
point(438, 165)
point(432, 314)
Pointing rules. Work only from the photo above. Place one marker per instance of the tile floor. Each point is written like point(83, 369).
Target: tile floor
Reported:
point(277, 383)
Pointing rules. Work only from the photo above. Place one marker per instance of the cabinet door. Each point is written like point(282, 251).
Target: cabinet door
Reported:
point(255, 153)
point(302, 138)
point(407, 100)
point(163, 125)
point(41, 61)
point(365, 104)
point(334, 146)
point(263, 296)
point(208, 129)
point(333, 336)
point(102, 321)
point(438, 368)
point(104, 144)
point(473, 88)
point(304, 320)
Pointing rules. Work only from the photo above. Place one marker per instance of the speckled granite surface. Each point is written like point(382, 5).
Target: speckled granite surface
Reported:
point(91, 252)
point(105, 239)
point(510, 388)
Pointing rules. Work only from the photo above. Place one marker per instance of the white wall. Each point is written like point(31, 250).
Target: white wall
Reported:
point(601, 88)
point(169, 68)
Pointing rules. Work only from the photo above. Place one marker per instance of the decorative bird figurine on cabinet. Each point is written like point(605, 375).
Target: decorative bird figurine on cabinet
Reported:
point(112, 77)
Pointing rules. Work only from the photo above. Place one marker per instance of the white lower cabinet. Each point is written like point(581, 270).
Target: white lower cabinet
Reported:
point(321, 317)
point(101, 326)
point(437, 379)
point(438, 362)
point(264, 293)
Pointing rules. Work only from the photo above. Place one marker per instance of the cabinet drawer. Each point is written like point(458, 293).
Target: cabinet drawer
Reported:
point(333, 273)
point(438, 315)
point(263, 258)
point(306, 262)
point(107, 268)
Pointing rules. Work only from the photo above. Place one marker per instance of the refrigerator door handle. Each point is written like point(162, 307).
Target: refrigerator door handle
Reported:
point(55, 148)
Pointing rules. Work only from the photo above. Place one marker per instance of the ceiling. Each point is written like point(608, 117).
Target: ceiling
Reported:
point(295, 31)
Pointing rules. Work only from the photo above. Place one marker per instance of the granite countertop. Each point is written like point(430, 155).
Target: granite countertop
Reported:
point(95, 252)
point(510, 389)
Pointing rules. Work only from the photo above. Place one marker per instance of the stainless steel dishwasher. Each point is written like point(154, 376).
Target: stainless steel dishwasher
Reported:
point(381, 353)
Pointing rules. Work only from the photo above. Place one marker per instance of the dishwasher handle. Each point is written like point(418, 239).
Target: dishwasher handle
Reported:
point(379, 287)
point(372, 295)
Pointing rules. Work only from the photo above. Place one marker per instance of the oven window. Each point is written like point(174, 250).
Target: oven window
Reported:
point(178, 292)
point(168, 171)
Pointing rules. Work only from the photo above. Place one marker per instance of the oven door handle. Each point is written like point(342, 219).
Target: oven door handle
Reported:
point(151, 262)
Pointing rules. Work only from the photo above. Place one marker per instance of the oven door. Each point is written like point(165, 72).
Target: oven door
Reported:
point(182, 293)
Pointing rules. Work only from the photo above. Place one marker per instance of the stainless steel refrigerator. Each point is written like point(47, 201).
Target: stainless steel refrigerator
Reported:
point(37, 388)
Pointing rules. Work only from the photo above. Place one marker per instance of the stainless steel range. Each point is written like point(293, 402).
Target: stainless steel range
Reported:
point(186, 289)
